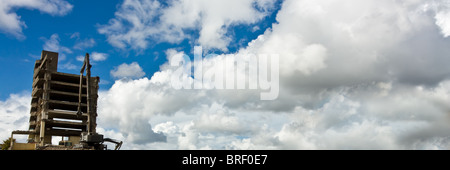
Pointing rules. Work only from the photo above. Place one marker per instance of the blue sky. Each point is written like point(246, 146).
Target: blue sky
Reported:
point(353, 74)
point(80, 25)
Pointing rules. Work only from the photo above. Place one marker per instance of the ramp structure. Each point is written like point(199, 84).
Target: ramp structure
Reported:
point(63, 105)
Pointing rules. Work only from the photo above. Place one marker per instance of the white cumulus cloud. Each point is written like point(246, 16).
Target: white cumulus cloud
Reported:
point(138, 21)
point(124, 70)
point(53, 44)
point(96, 56)
point(11, 23)
point(14, 115)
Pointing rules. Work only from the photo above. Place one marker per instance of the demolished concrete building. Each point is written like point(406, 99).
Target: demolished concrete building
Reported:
point(63, 105)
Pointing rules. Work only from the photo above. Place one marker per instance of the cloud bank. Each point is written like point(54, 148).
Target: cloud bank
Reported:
point(370, 75)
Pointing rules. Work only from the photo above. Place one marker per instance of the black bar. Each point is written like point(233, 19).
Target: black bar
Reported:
point(230, 159)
